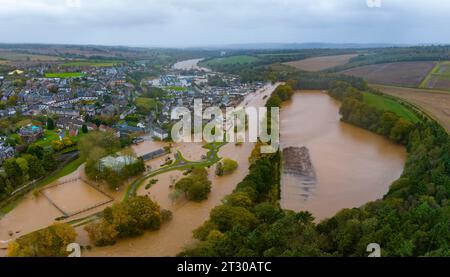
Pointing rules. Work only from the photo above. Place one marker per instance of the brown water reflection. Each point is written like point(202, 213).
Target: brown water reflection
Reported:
point(353, 166)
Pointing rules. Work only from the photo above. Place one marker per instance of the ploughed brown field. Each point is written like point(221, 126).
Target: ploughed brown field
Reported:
point(409, 74)
point(321, 63)
point(434, 102)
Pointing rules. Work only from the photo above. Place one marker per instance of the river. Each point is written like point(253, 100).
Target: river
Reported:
point(353, 166)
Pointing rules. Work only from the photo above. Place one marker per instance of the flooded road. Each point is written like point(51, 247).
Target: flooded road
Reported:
point(353, 166)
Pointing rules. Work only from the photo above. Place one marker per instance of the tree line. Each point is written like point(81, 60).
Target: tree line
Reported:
point(35, 162)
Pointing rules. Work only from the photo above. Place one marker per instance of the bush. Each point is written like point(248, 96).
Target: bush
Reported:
point(229, 166)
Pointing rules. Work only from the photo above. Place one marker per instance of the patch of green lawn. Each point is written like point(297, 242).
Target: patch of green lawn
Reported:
point(386, 104)
point(46, 140)
point(176, 88)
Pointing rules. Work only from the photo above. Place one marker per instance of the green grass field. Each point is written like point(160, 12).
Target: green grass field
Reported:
point(387, 104)
point(46, 140)
point(51, 135)
point(241, 59)
point(65, 75)
point(91, 63)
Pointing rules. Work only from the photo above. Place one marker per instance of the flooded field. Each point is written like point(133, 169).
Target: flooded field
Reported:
point(353, 166)
point(74, 196)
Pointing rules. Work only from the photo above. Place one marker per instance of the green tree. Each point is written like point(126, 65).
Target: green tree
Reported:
point(400, 131)
point(35, 167)
point(49, 162)
point(36, 150)
point(196, 186)
point(84, 129)
point(387, 122)
point(229, 166)
point(14, 172)
point(50, 123)
point(49, 242)
point(126, 219)
point(226, 217)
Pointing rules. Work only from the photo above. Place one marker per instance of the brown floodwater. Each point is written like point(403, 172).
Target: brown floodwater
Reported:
point(176, 234)
point(353, 166)
point(75, 196)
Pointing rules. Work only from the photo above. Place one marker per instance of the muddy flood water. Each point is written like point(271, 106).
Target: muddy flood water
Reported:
point(353, 166)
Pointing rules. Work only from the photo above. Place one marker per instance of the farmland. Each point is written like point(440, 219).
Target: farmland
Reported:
point(16, 56)
point(321, 63)
point(385, 104)
point(407, 74)
point(65, 75)
point(434, 102)
point(439, 77)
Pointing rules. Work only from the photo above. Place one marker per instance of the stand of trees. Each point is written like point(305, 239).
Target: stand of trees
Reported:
point(279, 95)
point(31, 165)
point(196, 186)
point(129, 218)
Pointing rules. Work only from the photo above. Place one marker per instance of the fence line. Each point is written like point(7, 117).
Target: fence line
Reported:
point(72, 180)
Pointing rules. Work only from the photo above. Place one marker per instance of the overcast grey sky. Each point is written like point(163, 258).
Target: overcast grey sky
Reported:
point(213, 22)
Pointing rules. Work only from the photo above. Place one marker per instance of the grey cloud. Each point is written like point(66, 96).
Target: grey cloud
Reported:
point(194, 22)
